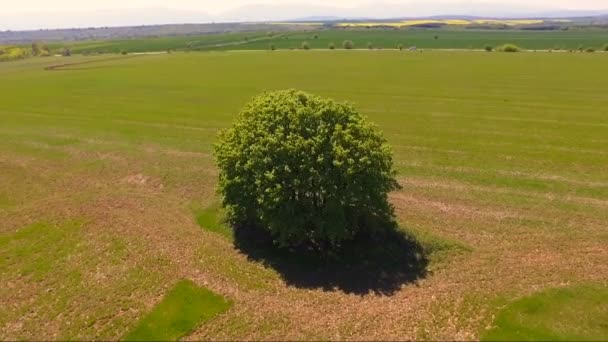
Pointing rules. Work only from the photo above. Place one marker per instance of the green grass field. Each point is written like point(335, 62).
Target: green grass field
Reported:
point(199, 42)
point(102, 163)
point(446, 39)
point(388, 39)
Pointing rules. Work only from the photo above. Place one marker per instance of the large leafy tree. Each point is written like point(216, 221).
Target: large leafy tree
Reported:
point(309, 170)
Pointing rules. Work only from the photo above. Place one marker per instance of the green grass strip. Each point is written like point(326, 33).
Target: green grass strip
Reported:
point(185, 307)
point(565, 314)
point(212, 220)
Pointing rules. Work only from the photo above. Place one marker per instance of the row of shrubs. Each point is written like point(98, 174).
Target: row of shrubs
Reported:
point(504, 48)
point(515, 48)
point(348, 45)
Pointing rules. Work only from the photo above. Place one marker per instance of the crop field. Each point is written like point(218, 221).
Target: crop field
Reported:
point(107, 193)
point(436, 39)
point(379, 38)
point(457, 22)
point(200, 42)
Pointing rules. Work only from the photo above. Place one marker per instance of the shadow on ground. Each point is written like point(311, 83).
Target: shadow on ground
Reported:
point(379, 263)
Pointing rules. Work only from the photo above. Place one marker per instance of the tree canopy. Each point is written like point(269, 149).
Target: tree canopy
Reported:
point(307, 169)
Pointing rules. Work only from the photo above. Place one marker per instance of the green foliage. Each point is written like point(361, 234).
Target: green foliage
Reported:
point(566, 314)
point(12, 53)
point(272, 47)
point(606, 47)
point(332, 46)
point(124, 52)
point(400, 47)
point(348, 44)
point(309, 170)
point(66, 52)
point(40, 49)
point(488, 48)
point(508, 48)
point(36, 49)
point(589, 49)
point(183, 309)
point(370, 45)
point(305, 46)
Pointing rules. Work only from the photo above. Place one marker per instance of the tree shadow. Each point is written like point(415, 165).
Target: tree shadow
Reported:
point(377, 263)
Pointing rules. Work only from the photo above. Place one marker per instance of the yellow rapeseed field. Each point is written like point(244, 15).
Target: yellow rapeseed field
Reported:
point(405, 23)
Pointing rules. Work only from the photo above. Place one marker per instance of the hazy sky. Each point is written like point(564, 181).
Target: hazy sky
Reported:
point(39, 14)
point(216, 6)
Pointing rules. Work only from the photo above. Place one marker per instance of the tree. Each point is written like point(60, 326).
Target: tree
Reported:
point(370, 45)
point(40, 49)
point(305, 46)
point(400, 47)
point(606, 47)
point(316, 36)
point(436, 37)
point(589, 49)
point(309, 170)
point(488, 48)
point(332, 46)
point(348, 44)
point(66, 52)
point(36, 49)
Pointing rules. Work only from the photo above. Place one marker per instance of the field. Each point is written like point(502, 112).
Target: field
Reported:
point(199, 42)
point(106, 174)
point(456, 22)
point(379, 38)
point(446, 39)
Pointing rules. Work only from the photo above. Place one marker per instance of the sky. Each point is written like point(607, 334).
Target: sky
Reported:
point(217, 6)
point(36, 14)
